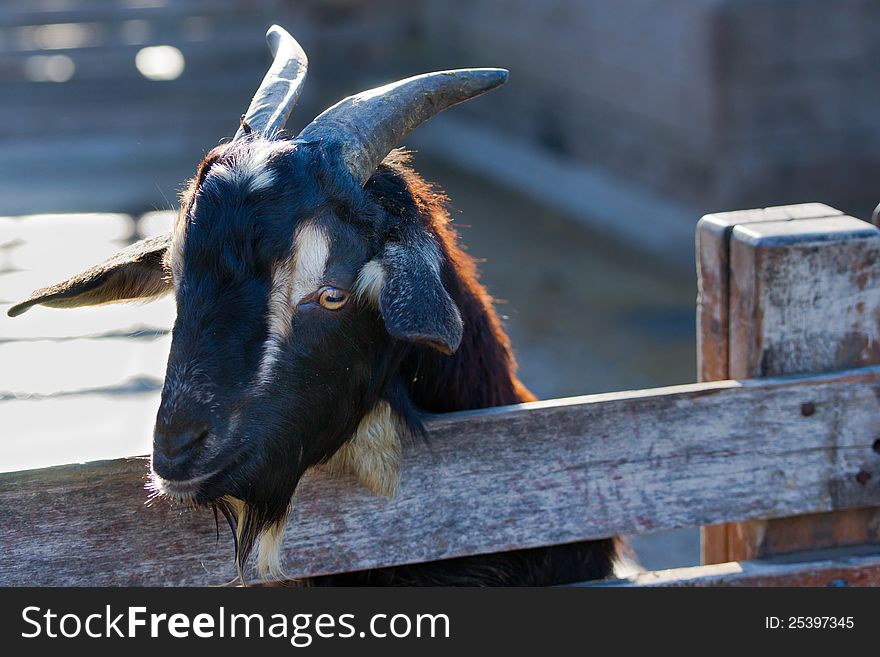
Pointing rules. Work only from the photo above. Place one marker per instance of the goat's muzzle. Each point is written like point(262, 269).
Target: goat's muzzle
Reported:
point(180, 446)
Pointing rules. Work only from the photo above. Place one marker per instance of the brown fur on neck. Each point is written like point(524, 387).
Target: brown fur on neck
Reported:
point(482, 372)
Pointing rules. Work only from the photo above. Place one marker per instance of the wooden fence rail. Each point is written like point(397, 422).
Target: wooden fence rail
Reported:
point(835, 569)
point(513, 477)
point(787, 290)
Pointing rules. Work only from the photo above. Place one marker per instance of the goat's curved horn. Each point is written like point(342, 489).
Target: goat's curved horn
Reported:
point(280, 88)
point(367, 126)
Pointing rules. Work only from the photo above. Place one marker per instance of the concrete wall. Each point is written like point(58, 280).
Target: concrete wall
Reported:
point(688, 105)
point(798, 102)
point(108, 139)
point(714, 103)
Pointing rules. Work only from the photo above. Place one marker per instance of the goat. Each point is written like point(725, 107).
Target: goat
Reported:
point(323, 305)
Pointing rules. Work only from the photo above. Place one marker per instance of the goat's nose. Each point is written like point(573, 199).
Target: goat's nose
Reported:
point(175, 448)
point(173, 444)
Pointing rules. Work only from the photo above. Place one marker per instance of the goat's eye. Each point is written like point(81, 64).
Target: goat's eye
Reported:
point(332, 298)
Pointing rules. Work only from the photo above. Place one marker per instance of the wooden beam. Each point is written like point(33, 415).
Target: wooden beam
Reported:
point(787, 294)
point(713, 300)
point(560, 471)
point(860, 570)
point(713, 277)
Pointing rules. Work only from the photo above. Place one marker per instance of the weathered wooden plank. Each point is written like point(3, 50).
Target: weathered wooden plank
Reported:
point(713, 295)
point(803, 298)
point(844, 570)
point(521, 476)
point(713, 264)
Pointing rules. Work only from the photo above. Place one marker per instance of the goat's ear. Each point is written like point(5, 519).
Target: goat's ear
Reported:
point(406, 282)
point(136, 272)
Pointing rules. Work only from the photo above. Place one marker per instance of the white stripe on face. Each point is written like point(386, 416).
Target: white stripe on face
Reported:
point(291, 282)
point(279, 318)
point(310, 255)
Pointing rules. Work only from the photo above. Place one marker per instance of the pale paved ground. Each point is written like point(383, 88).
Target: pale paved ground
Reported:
point(584, 314)
point(60, 368)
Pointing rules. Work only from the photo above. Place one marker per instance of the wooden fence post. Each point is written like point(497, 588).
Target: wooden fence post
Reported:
point(788, 290)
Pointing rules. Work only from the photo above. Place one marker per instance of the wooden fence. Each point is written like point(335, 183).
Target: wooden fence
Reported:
point(777, 451)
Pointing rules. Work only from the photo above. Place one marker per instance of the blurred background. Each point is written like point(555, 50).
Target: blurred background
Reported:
point(578, 184)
